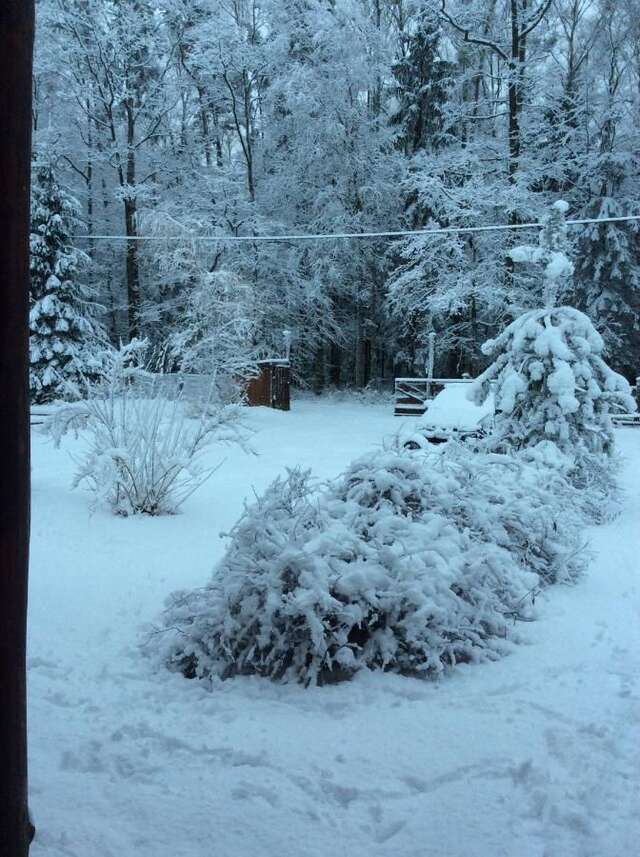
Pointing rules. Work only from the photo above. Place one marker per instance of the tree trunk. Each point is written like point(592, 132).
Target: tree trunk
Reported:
point(248, 136)
point(318, 370)
point(336, 363)
point(16, 43)
point(359, 368)
point(514, 100)
point(131, 226)
point(132, 270)
point(514, 96)
point(327, 364)
point(108, 269)
point(91, 247)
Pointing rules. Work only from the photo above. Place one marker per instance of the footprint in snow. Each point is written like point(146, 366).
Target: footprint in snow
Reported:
point(389, 831)
point(245, 791)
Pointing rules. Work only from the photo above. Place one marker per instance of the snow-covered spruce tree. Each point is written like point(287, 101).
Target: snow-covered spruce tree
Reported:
point(390, 567)
point(552, 386)
point(62, 331)
point(608, 277)
point(552, 251)
point(422, 76)
point(551, 382)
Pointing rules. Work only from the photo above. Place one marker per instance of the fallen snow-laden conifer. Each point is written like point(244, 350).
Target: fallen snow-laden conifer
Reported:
point(524, 504)
point(391, 567)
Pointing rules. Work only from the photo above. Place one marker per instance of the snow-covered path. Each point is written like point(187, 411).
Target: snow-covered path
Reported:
point(534, 755)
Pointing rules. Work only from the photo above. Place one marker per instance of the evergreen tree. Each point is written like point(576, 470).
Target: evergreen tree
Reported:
point(608, 270)
point(422, 76)
point(61, 328)
point(550, 380)
point(552, 251)
point(551, 383)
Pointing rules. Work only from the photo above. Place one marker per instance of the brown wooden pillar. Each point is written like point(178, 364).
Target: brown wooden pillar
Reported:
point(16, 50)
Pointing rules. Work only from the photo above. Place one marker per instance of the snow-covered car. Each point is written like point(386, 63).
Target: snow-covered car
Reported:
point(451, 415)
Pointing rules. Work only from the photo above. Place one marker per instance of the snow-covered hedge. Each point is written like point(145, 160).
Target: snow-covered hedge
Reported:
point(408, 562)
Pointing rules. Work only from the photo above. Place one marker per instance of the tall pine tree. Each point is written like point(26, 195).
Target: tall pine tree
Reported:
point(62, 331)
point(422, 79)
point(608, 266)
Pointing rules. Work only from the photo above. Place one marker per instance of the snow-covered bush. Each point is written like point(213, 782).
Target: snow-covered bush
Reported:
point(525, 504)
point(596, 478)
point(551, 382)
point(408, 562)
point(145, 455)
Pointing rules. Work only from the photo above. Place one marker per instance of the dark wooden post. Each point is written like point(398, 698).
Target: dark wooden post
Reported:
point(16, 51)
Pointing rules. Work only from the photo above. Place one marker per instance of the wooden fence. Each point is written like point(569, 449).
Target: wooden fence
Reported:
point(412, 396)
point(272, 386)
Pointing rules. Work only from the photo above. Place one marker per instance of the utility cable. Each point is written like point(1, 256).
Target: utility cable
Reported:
point(333, 236)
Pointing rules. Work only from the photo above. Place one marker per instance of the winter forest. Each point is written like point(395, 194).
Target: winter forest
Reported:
point(394, 612)
point(159, 122)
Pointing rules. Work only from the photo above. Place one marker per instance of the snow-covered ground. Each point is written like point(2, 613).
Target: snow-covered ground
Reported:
point(537, 755)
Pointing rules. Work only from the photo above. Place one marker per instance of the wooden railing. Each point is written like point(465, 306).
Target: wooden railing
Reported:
point(413, 394)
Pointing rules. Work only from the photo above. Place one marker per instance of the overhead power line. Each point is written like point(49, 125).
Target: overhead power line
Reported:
point(333, 236)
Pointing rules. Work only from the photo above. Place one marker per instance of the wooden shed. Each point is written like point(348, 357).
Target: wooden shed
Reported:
point(272, 386)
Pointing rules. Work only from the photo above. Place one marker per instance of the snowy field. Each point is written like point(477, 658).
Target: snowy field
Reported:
point(537, 755)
